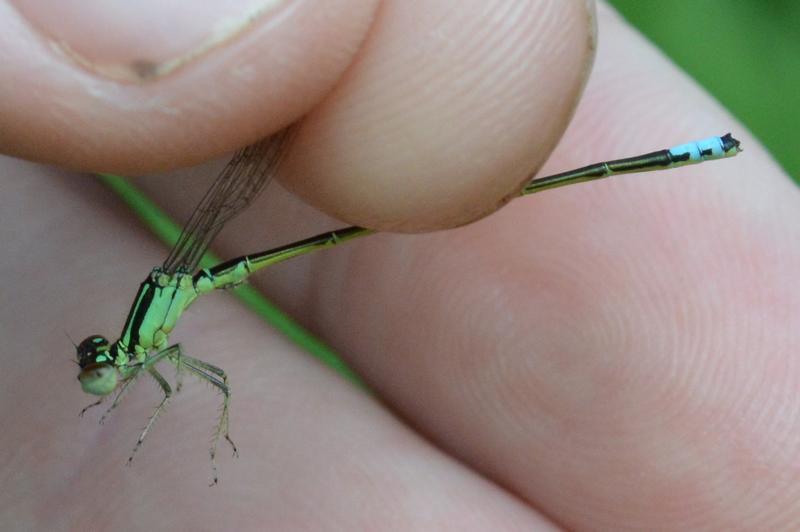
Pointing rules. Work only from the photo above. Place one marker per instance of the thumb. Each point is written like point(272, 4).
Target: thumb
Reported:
point(149, 85)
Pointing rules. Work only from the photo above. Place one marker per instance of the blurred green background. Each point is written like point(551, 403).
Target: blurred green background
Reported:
point(745, 52)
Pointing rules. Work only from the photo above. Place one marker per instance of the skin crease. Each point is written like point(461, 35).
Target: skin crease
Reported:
point(615, 355)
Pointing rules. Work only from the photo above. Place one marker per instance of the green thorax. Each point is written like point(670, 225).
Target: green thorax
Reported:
point(158, 305)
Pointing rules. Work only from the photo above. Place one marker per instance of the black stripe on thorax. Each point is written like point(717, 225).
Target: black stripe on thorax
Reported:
point(141, 303)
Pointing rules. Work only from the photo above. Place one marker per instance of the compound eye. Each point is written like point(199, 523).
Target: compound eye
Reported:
point(98, 379)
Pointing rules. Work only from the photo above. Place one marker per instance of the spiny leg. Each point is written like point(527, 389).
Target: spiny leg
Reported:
point(167, 393)
point(207, 371)
point(120, 393)
point(116, 402)
point(178, 374)
point(217, 377)
point(219, 428)
point(96, 403)
point(136, 371)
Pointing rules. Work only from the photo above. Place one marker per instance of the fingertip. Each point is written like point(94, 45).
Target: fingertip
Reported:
point(446, 112)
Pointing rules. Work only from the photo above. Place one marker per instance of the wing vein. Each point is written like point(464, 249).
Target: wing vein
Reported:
point(239, 183)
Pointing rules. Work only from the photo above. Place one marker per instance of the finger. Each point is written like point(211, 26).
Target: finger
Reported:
point(619, 352)
point(99, 86)
point(448, 108)
point(316, 453)
point(467, 83)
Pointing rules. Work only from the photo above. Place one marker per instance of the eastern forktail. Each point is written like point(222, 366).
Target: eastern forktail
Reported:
point(170, 288)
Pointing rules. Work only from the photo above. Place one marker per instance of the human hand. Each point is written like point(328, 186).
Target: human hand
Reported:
point(614, 355)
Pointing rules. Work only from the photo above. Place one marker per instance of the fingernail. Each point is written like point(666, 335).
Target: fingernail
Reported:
point(141, 40)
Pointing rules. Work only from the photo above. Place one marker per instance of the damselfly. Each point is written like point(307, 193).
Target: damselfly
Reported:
point(170, 288)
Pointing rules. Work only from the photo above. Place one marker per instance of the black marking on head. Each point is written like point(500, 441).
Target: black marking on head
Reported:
point(91, 348)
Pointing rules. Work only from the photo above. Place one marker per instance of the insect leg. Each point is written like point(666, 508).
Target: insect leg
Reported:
point(167, 394)
point(217, 378)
